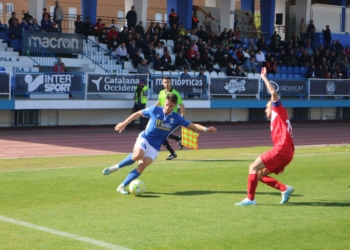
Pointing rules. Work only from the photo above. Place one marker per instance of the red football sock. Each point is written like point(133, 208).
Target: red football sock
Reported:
point(252, 184)
point(273, 183)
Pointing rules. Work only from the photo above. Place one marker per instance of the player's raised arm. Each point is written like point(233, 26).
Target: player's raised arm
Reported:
point(270, 87)
point(199, 128)
point(182, 110)
point(121, 126)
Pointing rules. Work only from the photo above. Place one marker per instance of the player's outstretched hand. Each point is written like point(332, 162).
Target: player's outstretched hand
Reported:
point(212, 130)
point(263, 72)
point(120, 127)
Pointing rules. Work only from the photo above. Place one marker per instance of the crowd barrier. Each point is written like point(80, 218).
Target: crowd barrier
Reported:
point(123, 86)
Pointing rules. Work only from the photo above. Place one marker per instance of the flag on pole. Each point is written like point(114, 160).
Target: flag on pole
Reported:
point(189, 138)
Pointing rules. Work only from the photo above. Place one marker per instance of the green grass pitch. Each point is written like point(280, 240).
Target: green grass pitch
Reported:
point(188, 204)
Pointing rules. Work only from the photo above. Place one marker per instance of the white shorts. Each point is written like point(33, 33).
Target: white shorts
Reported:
point(150, 151)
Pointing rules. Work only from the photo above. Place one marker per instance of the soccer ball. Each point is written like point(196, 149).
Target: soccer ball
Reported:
point(137, 187)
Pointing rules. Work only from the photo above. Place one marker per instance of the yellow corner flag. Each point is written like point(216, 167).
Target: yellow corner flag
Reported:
point(189, 138)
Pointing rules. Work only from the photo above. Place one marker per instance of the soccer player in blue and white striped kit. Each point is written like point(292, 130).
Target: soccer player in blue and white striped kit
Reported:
point(162, 123)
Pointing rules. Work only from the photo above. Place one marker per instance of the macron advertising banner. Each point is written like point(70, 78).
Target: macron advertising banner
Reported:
point(285, 87)
point(189, 84)
point(48, 83)
point(234, 86)
point(102, 83)
point(330, 87)
point(4, 83)
point(54, 42)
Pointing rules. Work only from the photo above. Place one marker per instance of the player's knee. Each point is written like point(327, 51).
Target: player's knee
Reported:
point(253, 168)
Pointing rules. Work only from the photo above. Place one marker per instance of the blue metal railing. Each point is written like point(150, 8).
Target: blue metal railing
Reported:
point(42, 57)
point(100, 56)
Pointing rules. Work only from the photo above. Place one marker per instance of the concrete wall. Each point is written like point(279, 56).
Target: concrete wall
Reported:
point(5, 118)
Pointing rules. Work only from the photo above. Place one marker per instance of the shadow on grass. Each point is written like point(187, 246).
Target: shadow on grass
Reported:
point(149, 196)
point(320, 204)
point(206, 192)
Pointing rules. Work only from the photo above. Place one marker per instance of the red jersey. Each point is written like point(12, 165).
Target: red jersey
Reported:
point(281, 129)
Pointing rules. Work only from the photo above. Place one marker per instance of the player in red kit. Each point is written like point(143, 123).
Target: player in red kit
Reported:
point(277, 158)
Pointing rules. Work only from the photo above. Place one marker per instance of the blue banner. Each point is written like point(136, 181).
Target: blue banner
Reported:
point(4, 83)
point(48, 83)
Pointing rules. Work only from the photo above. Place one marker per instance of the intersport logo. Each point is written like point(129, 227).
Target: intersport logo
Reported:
point(52, 83)
point(53, 42)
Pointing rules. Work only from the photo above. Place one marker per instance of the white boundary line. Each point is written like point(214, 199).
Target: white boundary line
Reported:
point(63, 234)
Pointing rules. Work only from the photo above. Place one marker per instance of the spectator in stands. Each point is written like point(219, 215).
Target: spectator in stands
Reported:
point(180, 62)
point(128, 40)
point(214, 40)
point(45, 13)
point(260, 57)
point(275, 36)
point(281, 58)
point(305, 59)
point(271, 66)
point(230, 71)
point(309, 50)
point(139, 29)
point(46, 23)
point(15, 31)
point(239, 54)
point(113, 43)
point(311, 72)
point(159, 49)
point(157, 64)
point(113, 24)
point(327, 37)
point(166, 32)
point(240, 71)
point(252, 46)
point(173, 18)
point(196, 63)
point(146, 40)
point(319, 71)
point(138, 41)
point(35, 26)
point(131, 17)
point(296, 46)
point(275, 45)
point(346, 52)
point(290, 59)
point(193, 36)
point(132, 49)
point(219, 55)
point(237, 37)
point(261, 44)
point(149, 52)
point(142, 68)
point(79, 26)
point(124, 34)
point(98, 27)
point(58, 16)
point(24, 24)
point(167, 62)
point(223, 35)
point(113, 31)
point(246, 54)
point(311, 29)
point(195, 21)
point(339, 47)
point(345, 65)
point(122, 52)
point(202, 34)
point(137, 59)
point(317, 57)
point(12, 19)
point(182, 30)
point(58, 66)
point(185, 73)
point(303, 29)
point(88, 27)
point(53, 28)
point(249, 65)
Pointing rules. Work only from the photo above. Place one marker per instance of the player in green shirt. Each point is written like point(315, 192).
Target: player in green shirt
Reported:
point(160, 102)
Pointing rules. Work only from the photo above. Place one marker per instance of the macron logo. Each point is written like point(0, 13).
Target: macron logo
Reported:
point(97, 82)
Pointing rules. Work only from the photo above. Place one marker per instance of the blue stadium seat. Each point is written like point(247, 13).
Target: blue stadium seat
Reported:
point(246, 41)
point(284, 76)
point(303, 71)
point(16, 44)
point(5, 36)
point(279, 69)
point(278, 76)
point(297, 76)
point(296, 70)
point(258, 69)
point(284, 70)
point(291, 76)
point(4, 26)
point(271, 76)
point(290, 70)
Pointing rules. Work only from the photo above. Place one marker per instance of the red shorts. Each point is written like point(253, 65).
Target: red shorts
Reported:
point(276, 160)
